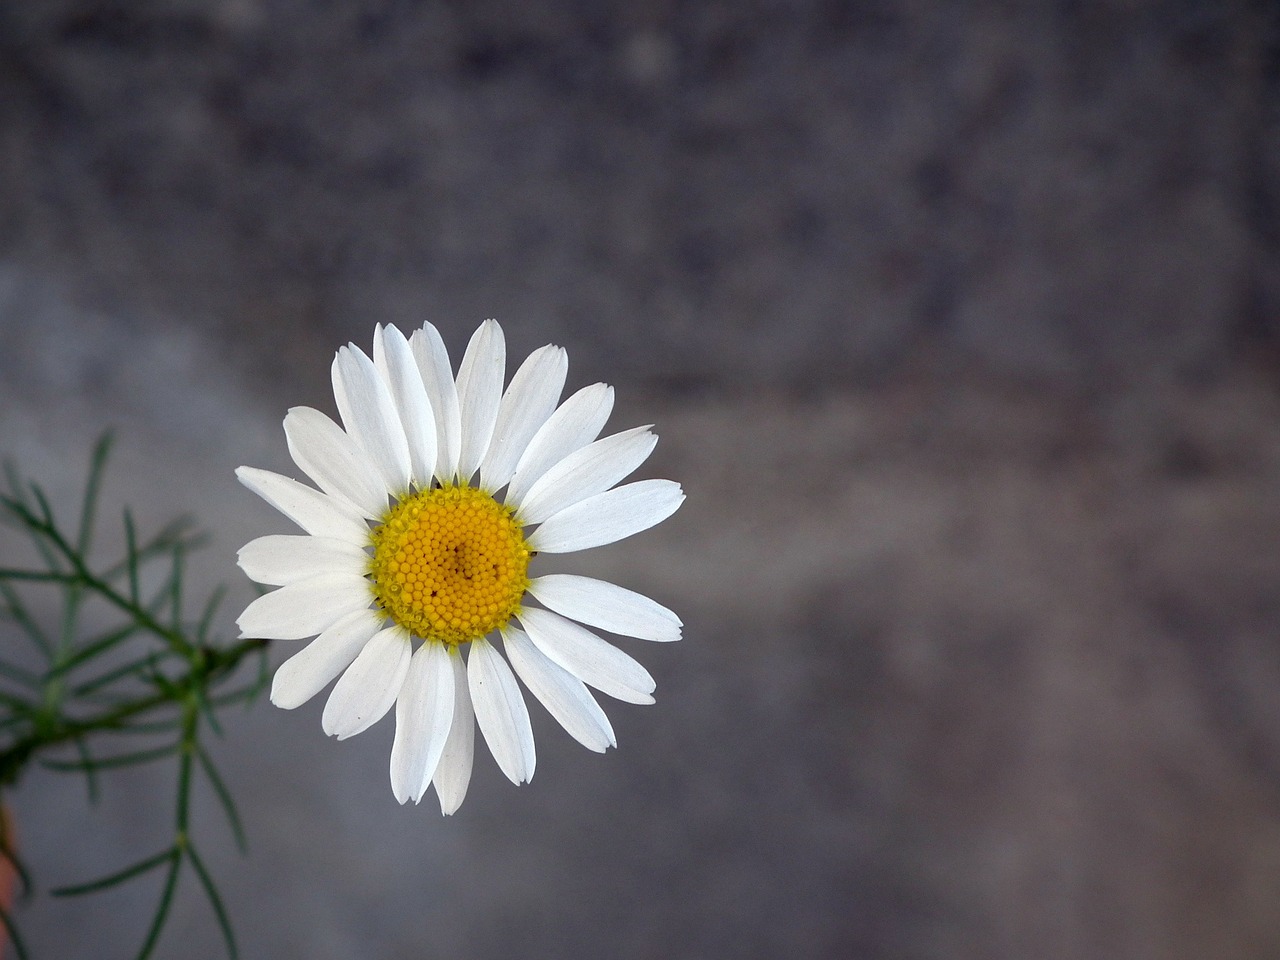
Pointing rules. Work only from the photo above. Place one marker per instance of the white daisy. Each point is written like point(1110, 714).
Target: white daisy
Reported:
point(408, 539)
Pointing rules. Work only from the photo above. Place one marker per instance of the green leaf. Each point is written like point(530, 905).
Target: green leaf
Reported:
point(162, 909)
point(215, 901)
point(92, 488)
point(46, 520)
point(206, 708)
point(175, 584)
point(19, 947)
point(224, 798)
point(18, 675)
point(134, 758)
point(136, 667)
point(210, 609)
point(17, 612)
point(90, 771)
point(94, 647)
point(149, 727)
point(17, 703)
point(20, 513)
point(39, 576)
point(120, 876)
point(131, 559)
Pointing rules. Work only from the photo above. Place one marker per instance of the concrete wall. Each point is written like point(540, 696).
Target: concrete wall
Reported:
point(958, 324)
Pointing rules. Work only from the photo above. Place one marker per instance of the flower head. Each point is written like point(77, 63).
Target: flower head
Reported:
point(434, 496)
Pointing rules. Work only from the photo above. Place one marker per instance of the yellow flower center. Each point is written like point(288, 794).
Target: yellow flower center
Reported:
point(449, 563)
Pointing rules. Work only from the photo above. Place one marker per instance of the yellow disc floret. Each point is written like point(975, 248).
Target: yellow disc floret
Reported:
point(449, 563)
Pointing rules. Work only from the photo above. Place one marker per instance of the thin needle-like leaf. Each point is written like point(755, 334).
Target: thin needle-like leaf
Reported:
point(240, 695)
point(46, 513)
point(138, 666)
point(17, 703)
point(19, 946)
point(92, 487)
point(18, 675)
point(40, 576)
point(162, 909)
point(131, 558)
point(21, 511)
point(93, 648)
point(210, 609)
point(206, 708)
point(215, 901)
point(14, 480)
point(149, 727)
point(175, 584)
point(17, 612)
point(177, 531)
point(120, 876)
point(224, 797)
point(90, 769)
point(136, 758)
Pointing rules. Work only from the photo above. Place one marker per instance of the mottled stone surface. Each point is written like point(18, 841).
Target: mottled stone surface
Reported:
point(770, 192)
point(956, 321)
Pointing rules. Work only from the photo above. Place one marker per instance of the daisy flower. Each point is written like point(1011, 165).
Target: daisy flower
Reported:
point(434, 496)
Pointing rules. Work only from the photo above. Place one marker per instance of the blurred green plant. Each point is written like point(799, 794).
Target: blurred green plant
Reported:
point(145, 690)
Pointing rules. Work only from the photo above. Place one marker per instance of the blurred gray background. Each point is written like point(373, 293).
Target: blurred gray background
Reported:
point(960, 324)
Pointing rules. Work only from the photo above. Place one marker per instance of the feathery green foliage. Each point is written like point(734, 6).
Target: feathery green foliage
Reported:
point(139, 692)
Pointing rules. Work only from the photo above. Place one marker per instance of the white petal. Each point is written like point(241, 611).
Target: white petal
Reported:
point(317, 513)
point(607, 606)
point(369, 414)
point(424, 711)
point(587, 657)
point(609, 516)
point(500, 711)
point(563, 694)
point(334, 461)
point(277, 559)
point(311, 669)
point(531, 397)
point(433, 364)
point(453, 773)
point(368, 688)
point(576, 423)
point(586, 472)
point(479, 394)
point(305, 608)
point(394, 359)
